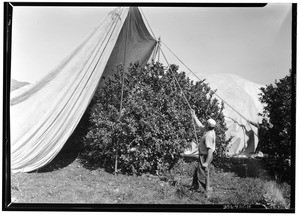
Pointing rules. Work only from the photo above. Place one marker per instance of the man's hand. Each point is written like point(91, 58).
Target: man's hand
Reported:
point(196, 119)
point(193, 112)
point(205, 165)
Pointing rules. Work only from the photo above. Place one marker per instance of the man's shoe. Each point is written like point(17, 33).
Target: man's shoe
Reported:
point(209, 189)
point(194, 188)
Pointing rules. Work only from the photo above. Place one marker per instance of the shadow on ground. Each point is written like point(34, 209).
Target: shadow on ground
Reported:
point(70, 151)
point(245, 167)
point(65, 157)
point(242, 167)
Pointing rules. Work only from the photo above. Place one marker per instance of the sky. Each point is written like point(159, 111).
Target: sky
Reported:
point(254, 43)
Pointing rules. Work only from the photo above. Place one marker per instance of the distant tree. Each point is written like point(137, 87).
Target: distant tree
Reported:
point(155, 126)
point(276, 129)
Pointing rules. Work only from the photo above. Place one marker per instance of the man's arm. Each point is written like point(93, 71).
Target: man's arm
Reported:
point(208, 158)
point(253, 123)
point(196, 119)
point(210, 145)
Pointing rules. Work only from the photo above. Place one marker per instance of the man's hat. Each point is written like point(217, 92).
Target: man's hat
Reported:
point(211, 123)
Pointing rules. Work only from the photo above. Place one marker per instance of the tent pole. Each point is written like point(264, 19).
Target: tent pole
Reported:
point(116, 161)
point(122, 91)
point(158, 49)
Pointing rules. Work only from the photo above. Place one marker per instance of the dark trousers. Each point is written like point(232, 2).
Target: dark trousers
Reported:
point(201, 175)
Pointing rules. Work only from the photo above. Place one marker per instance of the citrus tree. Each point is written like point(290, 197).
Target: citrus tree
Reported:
point(155, 125)
point(276, 131)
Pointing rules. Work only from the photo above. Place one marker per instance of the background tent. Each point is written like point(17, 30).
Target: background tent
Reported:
point(17, 85)
point(241, 104)
point(241, 108)
point(45, 115)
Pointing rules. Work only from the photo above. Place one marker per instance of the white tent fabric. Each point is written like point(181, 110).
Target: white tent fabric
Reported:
point(242, 96)
point(241, 104)
point(44, 115)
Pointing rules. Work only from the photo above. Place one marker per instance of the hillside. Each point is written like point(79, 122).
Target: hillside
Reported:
point(14, 85)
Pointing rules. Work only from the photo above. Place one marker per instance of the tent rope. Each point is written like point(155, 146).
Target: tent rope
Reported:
point(211, 90)
point(181, 90)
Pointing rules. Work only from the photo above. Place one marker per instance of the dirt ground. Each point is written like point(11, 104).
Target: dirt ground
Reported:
point(66, 180)
point(76, 184)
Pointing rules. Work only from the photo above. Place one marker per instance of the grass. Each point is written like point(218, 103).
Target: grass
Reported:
point(274, 195)
point(71, 182)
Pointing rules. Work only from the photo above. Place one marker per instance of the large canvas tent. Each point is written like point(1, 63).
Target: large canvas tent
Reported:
point(44, 115)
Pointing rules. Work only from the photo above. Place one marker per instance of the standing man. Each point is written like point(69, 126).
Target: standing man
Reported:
point(206, 147)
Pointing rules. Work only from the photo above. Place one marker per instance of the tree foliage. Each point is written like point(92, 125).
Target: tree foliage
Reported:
point(155, 125)
point(276, 130)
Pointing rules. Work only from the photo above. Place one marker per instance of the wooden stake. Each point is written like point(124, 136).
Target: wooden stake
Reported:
point(116, 162)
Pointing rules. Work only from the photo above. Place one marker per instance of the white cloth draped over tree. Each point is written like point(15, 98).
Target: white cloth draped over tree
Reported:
point(44, 115)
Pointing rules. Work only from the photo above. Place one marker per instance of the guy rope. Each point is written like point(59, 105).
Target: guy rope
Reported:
point(184, 96)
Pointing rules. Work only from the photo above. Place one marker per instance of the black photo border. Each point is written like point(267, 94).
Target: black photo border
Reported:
point(7, 204)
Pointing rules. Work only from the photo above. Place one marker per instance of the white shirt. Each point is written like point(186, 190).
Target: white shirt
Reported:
point(208, 140)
